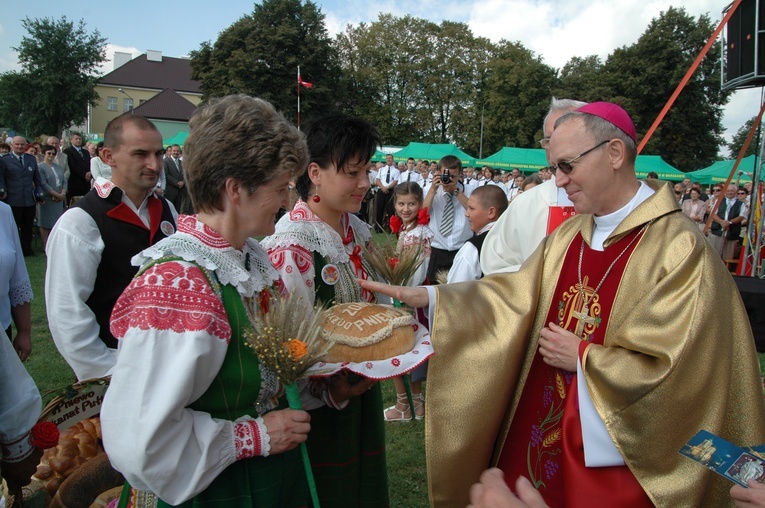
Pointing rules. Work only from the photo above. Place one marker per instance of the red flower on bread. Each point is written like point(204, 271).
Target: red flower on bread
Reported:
point(45, 435)
point(423, 217)
point(396, 224)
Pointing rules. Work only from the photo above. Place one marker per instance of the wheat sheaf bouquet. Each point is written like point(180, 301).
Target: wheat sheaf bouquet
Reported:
point(286, 337)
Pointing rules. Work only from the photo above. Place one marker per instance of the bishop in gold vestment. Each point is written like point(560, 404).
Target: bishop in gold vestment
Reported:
point(677, 355)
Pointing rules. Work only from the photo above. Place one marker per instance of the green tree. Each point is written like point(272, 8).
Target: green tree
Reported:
point(582, 79)
point(738, 140)
point(643, 76)
point(518, 91)
point(59, 60)
point(417, 80)
point(259, 55)
point(383, 74)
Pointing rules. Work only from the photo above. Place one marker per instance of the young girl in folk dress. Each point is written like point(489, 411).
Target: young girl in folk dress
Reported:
point(411, 225)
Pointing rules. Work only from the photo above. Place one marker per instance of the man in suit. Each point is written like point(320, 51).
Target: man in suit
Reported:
point(79, 168)
point(18, 178)
point(175, 186)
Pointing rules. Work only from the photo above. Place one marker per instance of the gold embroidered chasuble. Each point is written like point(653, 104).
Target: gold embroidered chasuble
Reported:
point(678, 357)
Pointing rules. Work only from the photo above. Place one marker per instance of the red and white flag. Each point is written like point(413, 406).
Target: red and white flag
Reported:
point(303, 83)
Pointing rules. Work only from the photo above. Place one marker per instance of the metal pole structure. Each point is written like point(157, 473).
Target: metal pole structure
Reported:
point(754, 230)
point(688, 75)
point(129, 97)
point(751, 229)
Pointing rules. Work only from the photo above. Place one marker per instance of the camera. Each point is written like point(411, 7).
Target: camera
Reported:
point(446, 178)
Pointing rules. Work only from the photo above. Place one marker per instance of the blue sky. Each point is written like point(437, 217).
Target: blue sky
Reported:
point(554, 29)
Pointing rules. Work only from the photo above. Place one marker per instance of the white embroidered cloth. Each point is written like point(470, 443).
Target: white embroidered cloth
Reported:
point(215, 254)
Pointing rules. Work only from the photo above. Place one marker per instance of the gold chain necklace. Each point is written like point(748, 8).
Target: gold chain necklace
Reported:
point(583, 316)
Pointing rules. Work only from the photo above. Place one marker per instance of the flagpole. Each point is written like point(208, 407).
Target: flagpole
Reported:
point(298, 109)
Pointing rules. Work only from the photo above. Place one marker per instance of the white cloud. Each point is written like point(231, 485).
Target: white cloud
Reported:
point(108, 65)
point(9, 61)
point(558, 30)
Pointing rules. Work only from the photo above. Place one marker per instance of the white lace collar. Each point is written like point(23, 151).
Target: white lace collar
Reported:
point(196, 242)
point(303, 227)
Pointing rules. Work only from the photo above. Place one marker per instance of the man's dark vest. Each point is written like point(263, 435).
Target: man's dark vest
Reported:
point(735, 229)
point(477, 240)
point(124, 236)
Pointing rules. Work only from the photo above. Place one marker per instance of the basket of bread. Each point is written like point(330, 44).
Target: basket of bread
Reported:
point(372, 340)
point(74, 470)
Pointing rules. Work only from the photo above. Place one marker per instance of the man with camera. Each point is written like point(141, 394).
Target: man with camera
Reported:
point(446, 200)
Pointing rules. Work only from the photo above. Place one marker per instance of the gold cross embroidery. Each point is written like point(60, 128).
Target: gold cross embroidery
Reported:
point(583, 318)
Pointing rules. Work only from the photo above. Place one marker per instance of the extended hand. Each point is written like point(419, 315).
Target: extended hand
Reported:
point(753, 497)
point(342, 390)
point(22, 343)
point(493, 492)
point(559, 347)
point(414, 297)
point(287, 428)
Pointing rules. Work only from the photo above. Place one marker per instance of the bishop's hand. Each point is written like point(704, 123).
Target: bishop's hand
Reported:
point(559, 347)
point(414, 297)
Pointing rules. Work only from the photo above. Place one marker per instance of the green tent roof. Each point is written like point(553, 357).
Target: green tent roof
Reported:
point(521, 158)
point(379, 156)
point(432, 152)
point(535, 158)
point(719, 171)
point(178, 139)
point(647, 163)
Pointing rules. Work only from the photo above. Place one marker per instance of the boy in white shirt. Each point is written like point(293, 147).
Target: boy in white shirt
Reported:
point(484, 207)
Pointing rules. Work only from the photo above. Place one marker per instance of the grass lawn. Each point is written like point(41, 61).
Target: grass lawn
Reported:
point(405, 441)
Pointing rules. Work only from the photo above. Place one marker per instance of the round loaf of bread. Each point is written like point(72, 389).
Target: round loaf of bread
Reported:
point(364, 332)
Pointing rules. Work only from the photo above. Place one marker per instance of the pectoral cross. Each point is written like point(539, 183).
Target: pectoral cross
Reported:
point(584, 319)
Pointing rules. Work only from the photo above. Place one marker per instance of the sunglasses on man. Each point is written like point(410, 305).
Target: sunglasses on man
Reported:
point(567, 166)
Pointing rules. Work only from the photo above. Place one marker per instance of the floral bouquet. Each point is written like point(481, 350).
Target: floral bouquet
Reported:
point(395, 266)
point(287, 339)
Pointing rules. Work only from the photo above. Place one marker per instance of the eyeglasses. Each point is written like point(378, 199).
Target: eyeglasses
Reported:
point(741, 193)
point(566, 166)
point(717, 190)
point(544, 142)
point(50, 153)
point(677, 192)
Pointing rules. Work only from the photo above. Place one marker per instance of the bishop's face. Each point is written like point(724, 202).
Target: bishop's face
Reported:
point(591, 182)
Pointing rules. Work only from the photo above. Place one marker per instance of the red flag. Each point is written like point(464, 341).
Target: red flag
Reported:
point(301, 82)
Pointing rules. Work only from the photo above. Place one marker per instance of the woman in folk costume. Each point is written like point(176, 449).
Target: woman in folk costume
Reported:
point(317, 249)
point(191, 415)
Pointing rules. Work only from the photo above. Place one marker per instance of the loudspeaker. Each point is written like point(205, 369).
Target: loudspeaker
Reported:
point(752, 292)
point(744, 46)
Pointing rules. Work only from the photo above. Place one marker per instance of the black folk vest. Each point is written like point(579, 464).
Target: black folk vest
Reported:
point(124, 236)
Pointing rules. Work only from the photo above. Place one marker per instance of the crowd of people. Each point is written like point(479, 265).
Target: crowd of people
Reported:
point(574, 306)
